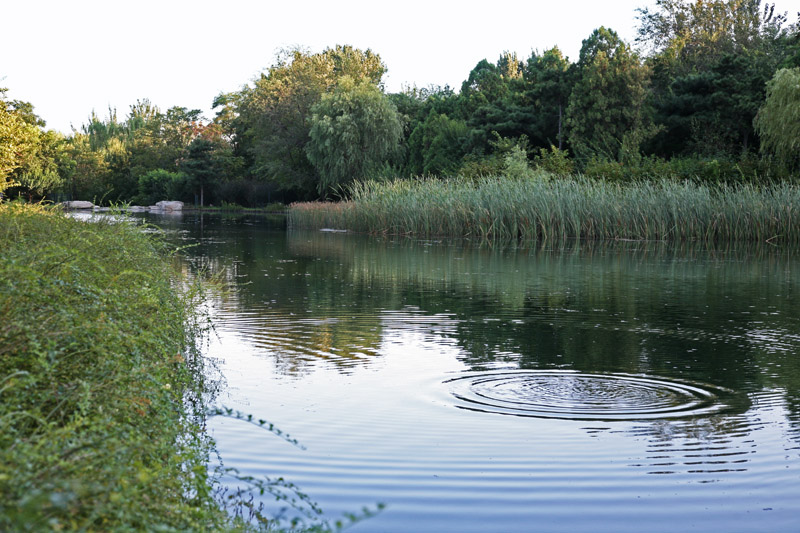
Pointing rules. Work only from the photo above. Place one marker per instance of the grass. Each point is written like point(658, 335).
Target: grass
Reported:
point(100, 381)
point(103, 390)
point(547, 209)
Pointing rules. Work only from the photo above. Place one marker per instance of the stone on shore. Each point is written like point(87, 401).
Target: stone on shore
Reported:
point(166, 205)
point(78, 204)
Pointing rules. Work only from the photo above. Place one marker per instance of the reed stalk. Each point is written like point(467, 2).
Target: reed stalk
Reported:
point(542, 209)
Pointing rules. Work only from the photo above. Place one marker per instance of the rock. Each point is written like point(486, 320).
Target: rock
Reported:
point(166, 205)
point(98, 209)
point(78, 204)
point(136, 209)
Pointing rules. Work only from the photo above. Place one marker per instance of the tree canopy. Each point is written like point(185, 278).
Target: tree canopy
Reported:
point(702, 96)
point(354, 129)
point(778, 120)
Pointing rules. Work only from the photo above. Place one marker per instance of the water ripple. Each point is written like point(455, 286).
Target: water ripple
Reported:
point(579, 396)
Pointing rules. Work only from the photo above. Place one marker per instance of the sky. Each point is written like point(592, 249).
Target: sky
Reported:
point(70, 58)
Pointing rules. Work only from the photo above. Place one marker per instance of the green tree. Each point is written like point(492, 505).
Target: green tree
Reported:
point(711, 113)
point(491, 101)
point(437, 146)
point(711, 60)
point(689, 36)
point(608, 116)
point(32, 161)
point(549, 79)
point(200, 165)
point(44, 170)
point(161, 184)
point(273, 121)
point(88, 181)
point(18, 142)
point(354, 129)
point(778, 120)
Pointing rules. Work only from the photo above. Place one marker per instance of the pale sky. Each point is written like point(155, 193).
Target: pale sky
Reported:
point(71, 57)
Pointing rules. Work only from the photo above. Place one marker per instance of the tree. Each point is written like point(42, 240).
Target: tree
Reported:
point(711, 60)
point(688, 36)
point(353, 130)
point(608, 116)
point(273, 125)
point(18, 141)
point(778, 120)
point(437, 146)
point(549, 79)
point(200, 165)
point(43, 171)
point(31, 160)
point(711, 113)
point(492, 101)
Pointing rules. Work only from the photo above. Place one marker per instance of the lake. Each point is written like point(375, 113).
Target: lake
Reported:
point(582, 387)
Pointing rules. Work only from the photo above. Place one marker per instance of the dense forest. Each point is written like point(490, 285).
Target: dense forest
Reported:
point(709, 91)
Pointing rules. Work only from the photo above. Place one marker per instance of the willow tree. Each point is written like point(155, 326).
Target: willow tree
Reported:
point(273, 122)
point(778, 120)
point(354, 130)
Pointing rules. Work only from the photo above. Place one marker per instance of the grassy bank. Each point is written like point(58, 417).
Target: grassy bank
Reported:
point(100, 382)
point(547, 208)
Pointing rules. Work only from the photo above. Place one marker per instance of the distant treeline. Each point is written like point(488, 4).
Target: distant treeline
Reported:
point(711, 92)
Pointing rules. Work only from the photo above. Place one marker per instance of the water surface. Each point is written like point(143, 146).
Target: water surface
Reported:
point(595, 387)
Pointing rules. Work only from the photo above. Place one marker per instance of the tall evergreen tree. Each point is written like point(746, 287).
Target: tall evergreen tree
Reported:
point(608, 115)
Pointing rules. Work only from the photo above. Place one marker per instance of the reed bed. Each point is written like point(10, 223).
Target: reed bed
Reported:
point(545, 209)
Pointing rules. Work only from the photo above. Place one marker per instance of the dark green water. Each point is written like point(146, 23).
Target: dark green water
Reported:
point(624, 387)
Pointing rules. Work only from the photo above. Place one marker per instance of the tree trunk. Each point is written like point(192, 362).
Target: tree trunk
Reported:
point(560, 141)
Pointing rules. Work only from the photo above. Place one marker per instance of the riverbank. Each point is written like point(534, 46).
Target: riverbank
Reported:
point(547, 208)
point(170, 207)
point(101, 381)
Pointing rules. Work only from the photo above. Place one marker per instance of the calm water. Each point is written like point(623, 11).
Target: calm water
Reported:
point(595, 388)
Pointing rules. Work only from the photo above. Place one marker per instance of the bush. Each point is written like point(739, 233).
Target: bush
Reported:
point(554, 161)
point(100, 381)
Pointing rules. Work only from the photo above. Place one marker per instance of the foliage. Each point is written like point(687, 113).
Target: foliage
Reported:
point(607, 114)
point(160, 184)
point(19, 140)
point(200, 165)
point(549, 79)
point(247, 193)
point(536, 210)
point(516, 164)
point(778, 120)
point(354, 129)
point(554, 161)
point(273, 123)
point(690, 36)
point(99, 373)
point(437, 145)
point(104, 391)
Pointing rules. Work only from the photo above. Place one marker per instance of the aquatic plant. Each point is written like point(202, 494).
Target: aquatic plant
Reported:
point(544, 208)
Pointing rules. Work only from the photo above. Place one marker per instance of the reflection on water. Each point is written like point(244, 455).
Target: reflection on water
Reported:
point(650, 387)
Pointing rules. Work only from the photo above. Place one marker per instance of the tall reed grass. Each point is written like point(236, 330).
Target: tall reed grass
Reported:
point(545, 209)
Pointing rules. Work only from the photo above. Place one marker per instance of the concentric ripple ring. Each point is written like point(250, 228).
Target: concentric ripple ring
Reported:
point(581, 396)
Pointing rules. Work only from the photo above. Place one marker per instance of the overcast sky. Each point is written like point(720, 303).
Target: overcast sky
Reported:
point(71, 57)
